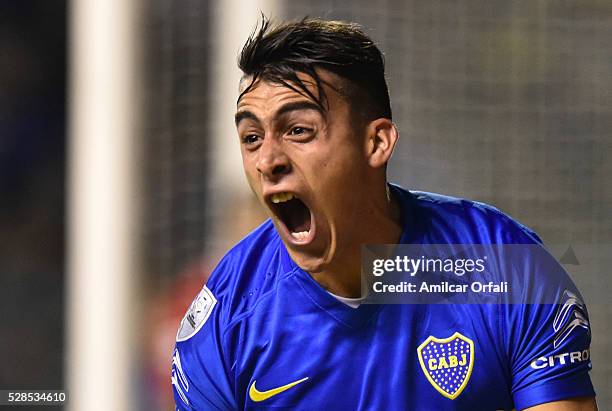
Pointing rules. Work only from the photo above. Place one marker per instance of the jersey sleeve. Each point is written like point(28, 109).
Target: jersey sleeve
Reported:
point(549, 343)
point(200, 375)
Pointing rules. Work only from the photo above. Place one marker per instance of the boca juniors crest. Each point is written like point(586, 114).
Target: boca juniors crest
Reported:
point(447, 363)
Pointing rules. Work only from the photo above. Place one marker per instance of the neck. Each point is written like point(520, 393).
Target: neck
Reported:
point(379, 223)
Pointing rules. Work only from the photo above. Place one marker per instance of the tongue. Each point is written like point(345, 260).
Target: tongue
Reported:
point(296, 216)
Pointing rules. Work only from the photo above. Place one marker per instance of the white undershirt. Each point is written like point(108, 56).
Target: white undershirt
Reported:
point(351, 302)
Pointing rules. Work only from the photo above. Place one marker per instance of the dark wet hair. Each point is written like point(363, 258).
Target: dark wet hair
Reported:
point(277, 53)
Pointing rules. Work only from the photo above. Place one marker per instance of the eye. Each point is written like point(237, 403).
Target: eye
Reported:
point(296, 131)
point(250, 139)
point(300, 134)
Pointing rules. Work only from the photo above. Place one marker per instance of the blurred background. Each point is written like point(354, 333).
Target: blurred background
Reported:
point(509, 103)
point(32, 188)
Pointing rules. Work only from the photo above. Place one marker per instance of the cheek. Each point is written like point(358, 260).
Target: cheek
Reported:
point(248, 163)
point(341, 170)
point(341, 188)
point(251, 174)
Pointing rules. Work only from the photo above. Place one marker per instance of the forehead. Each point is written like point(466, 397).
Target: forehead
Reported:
point(265, 95)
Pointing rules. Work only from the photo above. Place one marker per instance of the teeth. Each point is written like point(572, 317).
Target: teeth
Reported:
point(301, 235)
point(282, 197)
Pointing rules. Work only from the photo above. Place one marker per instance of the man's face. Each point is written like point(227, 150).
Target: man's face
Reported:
point(307, 166)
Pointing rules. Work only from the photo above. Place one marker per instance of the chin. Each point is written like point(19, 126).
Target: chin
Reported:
point(308, 263)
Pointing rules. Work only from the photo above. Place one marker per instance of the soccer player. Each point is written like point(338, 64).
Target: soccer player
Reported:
point(281, 322)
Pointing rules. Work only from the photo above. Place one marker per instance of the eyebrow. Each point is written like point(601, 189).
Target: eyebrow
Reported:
point(289, 107)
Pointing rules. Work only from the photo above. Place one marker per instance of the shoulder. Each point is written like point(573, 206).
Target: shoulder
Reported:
point(459, 220)
point(248, 271)
point(204, 351)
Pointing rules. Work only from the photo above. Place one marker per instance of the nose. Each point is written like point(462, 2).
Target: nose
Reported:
point(272, 163)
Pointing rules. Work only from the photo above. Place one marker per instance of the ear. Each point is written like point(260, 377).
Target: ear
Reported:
point(382, 136)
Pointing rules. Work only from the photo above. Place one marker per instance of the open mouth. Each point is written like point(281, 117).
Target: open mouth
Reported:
point(294, 214)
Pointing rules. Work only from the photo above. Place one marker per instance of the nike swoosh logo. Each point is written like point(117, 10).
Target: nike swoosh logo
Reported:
point(258, 396)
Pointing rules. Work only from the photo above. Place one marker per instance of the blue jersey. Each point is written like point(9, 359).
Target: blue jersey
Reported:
point(262, 334)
